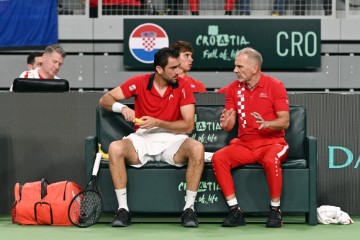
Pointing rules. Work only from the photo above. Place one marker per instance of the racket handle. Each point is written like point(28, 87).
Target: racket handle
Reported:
point(96, 164)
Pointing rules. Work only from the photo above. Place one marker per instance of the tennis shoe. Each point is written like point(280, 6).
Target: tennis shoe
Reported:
point(188, 218)
point(235, 218)
point(275, 218)
point(122, 218)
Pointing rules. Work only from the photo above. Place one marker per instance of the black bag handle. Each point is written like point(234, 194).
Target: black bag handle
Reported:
point(44, 184)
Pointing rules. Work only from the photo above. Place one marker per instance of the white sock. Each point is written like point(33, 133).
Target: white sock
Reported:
point(190, 199)
point(122, 198)
point(275, 204)
point(232, 202)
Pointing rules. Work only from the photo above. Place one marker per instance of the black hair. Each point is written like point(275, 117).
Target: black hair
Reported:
point(162, 55)
point(32, 56)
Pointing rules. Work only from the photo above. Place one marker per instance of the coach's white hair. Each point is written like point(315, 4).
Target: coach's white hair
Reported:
point(252, 54)
point(55, 48)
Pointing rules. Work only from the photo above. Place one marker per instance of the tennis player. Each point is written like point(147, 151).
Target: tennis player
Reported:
point(165, 108)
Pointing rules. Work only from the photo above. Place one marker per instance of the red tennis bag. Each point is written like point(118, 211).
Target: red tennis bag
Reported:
point(39, 203)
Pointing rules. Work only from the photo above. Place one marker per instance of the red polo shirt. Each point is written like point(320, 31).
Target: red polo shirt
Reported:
point(267, 98)
point(148, 101)
point(196, 85)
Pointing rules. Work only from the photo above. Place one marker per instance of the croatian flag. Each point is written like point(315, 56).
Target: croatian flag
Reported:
point(145, 40)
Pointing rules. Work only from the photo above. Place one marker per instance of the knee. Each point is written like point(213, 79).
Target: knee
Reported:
point(115, 150)
point(217, 160)
point(113, 147)
point(220, 164)
point(196, 149)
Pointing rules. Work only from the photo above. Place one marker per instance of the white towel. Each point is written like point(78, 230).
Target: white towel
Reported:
point(153, 141)
point(208, 156)
point(327, 214)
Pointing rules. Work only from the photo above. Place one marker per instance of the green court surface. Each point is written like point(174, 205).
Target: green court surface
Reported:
point(209, 228)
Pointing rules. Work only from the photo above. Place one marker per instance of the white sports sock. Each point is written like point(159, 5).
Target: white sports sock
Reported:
point(190, 199)
point(275, 204)
point(232, 202)
point(122, 198)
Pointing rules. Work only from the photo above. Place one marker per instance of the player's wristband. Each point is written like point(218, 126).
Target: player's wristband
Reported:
point(117, 107)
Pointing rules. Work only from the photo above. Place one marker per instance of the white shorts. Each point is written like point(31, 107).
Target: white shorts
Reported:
point(156, 144)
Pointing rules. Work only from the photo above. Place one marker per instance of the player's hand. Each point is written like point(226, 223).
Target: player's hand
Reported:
point(128, 113)
point(146, 122)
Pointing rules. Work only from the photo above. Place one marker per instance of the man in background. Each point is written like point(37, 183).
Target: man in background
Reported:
point(186, 52)
point(34, 60)
point(52, 60)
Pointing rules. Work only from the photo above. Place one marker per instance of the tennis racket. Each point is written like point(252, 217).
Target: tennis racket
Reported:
point(86, 206)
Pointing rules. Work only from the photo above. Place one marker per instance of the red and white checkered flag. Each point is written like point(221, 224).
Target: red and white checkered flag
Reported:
point(148, 40)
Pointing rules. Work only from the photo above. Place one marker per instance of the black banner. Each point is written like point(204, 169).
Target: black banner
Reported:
point(284, 43)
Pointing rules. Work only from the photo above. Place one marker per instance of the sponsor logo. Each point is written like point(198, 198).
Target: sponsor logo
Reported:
point(342, 157)
point(132, 87)
point(263, 95)
point(183, 91)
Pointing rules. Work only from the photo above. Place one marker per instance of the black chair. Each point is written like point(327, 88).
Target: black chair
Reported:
point(40, 85)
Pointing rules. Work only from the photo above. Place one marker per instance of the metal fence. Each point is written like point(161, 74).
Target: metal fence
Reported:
point(99, 8)
point(73, 7)
point(352, 8)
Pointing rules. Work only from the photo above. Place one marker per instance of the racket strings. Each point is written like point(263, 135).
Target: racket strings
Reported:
point(86, 209)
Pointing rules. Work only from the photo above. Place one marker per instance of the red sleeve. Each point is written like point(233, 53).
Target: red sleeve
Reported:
point(230, 99)
point(223, 89)
point(131, 86)
point(281, 101)
point(200, 87)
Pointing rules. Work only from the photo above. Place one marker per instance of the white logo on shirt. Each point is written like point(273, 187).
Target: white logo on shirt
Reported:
point(263, 95)
point(171, 96)
point(183, 91)
point(132, 87)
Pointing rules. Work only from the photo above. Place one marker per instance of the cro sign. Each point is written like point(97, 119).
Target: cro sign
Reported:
point(300, 44)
